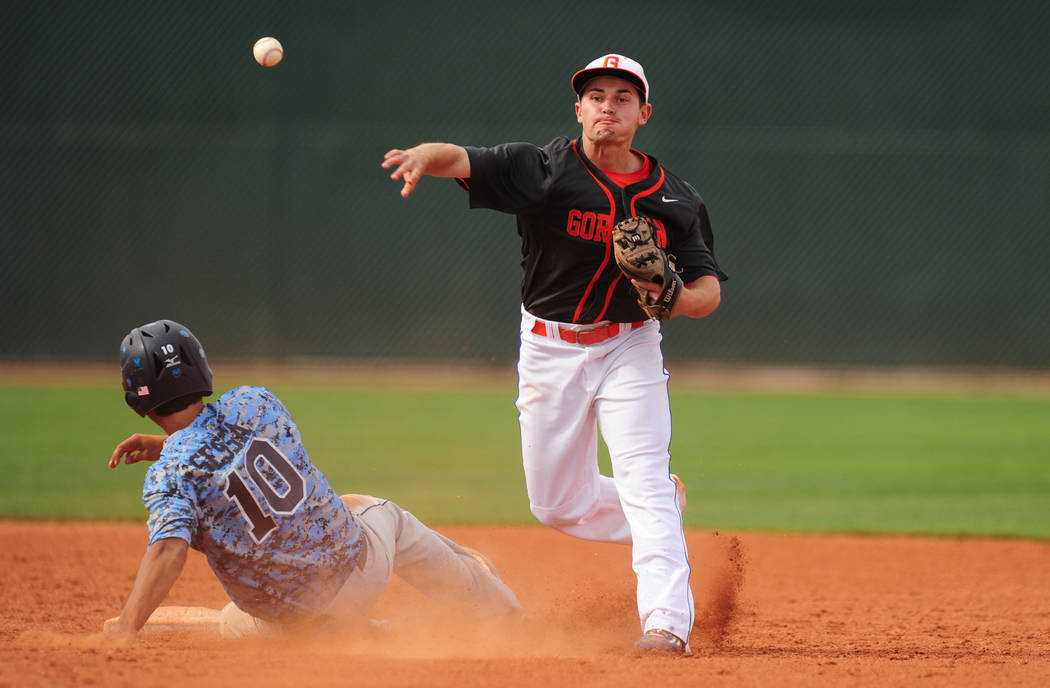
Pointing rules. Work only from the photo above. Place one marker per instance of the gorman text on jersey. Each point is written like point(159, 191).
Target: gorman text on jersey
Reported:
point(587, 224)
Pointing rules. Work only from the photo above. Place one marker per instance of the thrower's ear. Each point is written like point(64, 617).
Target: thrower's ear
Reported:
point(644, 114)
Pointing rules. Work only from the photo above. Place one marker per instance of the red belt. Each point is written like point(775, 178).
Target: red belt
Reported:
point(598, 334)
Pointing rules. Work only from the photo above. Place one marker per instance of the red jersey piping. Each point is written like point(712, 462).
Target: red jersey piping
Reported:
point(608, 245)
point(647, 192)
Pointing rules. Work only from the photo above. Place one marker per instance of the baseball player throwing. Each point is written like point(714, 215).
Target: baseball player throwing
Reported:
point(232, 479)
point(590, 353)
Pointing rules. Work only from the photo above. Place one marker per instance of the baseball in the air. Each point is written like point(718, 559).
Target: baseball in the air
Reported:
point(268, 51)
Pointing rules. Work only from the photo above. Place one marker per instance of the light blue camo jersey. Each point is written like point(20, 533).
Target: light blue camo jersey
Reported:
point(237, 485)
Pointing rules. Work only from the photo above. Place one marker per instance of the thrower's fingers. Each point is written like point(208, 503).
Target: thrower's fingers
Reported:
point(409, 168)
point(404, 163)
point(403, 171)
point(411, 178)
point(392, 157)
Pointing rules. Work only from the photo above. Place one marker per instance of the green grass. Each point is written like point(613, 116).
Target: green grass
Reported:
point(850, 462)
point(904, 464)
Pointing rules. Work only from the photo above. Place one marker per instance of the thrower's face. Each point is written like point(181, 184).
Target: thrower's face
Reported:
point(611, 110)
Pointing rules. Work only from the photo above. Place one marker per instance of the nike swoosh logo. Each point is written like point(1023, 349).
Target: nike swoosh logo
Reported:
point(665, 199)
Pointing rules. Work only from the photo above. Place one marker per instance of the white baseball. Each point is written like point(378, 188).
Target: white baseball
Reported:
point(268, 51)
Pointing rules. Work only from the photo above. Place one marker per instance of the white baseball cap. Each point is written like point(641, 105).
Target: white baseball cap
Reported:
point(612, 65)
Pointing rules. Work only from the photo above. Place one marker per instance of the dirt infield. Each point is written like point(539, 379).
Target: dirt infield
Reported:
point(771, 610)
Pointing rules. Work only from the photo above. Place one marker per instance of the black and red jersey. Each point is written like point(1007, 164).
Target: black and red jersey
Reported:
point(566, 207)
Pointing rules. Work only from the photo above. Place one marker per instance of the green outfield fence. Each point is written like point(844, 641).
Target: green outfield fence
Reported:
point(878, 173)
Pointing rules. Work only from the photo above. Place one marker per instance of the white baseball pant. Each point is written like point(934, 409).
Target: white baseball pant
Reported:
point(566, 393)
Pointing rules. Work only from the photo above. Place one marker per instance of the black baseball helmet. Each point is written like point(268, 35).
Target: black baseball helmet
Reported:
point(160, 362)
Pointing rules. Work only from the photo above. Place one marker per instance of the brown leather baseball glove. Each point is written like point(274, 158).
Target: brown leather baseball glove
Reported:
point(636, 252)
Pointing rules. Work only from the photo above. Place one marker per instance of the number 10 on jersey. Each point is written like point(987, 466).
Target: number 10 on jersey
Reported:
point(283, 498)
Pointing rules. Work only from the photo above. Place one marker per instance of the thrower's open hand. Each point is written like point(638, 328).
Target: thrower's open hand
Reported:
point(408, 166)
point(137, 448)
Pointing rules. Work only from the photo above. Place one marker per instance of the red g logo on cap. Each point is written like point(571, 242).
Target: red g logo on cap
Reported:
point(612, 61)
